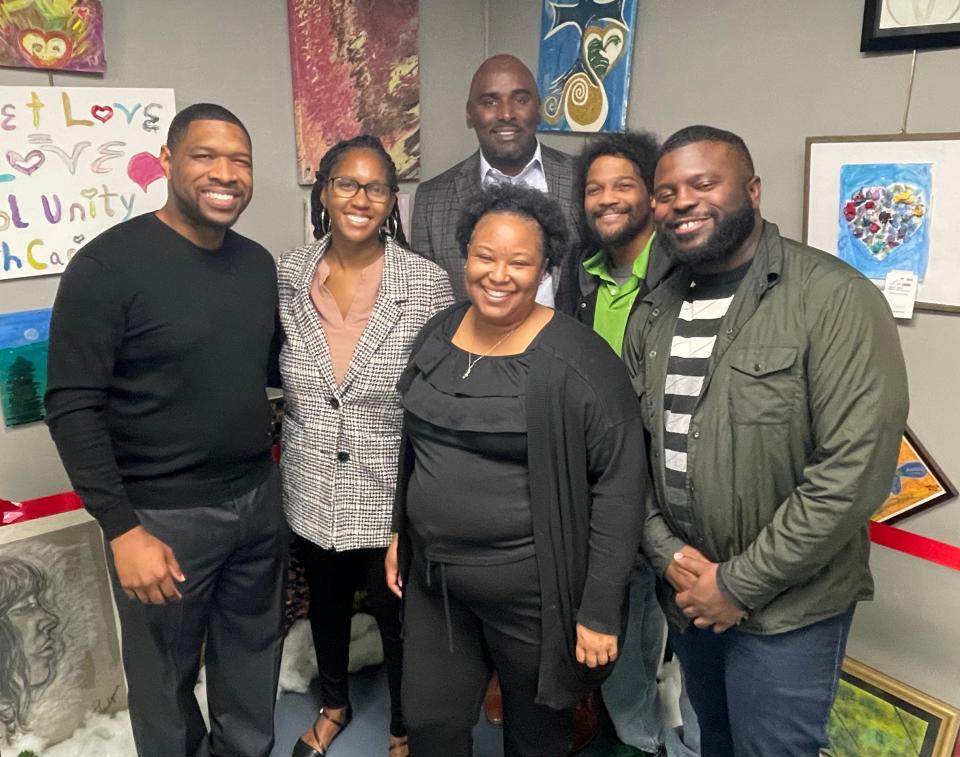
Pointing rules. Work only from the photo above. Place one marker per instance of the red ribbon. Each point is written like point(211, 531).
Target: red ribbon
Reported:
point(913, 544)
point(18, 512)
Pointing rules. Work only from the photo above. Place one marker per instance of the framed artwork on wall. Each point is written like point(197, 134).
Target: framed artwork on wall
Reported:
point(917, 485)
point(876, 714)
point(356, 70)
point(884, 203)
point(909, 25)
point(583, 73)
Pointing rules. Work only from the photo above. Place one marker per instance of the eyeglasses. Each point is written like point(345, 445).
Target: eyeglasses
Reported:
point(344, 186)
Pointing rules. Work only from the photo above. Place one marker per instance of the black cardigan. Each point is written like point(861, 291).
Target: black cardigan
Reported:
point(588, 476)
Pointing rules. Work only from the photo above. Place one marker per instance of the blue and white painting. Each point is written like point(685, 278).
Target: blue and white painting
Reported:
point(584, 70)
point(23, 365)
point(885, 217)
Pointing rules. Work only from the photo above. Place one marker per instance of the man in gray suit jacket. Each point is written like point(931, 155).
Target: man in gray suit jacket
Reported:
point(504, 110)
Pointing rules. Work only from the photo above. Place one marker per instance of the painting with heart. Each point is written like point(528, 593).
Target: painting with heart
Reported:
point(885, 217)
point(74, 162)
point(584, 70)
point(65, 35)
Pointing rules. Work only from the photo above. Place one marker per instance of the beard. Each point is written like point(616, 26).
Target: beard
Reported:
point(729, 235)
point(635, 223)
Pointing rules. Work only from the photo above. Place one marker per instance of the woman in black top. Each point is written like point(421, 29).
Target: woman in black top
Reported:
point(519, 495)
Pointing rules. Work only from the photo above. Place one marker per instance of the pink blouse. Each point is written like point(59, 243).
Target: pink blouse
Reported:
point(343, 333)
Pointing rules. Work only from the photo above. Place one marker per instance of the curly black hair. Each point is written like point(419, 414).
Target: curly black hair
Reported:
point(639, 147)
point(540, 208)
point(329, 162)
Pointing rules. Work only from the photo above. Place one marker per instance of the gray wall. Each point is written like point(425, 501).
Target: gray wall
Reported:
point(774, 71)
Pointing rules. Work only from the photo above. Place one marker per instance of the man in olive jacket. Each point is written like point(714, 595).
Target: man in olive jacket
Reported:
point(774, 392)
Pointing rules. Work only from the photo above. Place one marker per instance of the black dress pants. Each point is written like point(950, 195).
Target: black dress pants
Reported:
point(333, 578)
point(234, 556)
point(459, 623)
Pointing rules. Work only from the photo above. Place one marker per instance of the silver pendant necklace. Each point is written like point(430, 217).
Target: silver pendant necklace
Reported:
point(472, 361)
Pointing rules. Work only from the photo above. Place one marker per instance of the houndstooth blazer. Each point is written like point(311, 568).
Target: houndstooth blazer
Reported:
point(341, 443)
point(438, 203)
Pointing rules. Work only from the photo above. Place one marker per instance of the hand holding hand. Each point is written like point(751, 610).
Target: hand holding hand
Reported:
point(679, 577)
point(594, 648)
point(704, 602)
point(394, 582)
point(146, 567)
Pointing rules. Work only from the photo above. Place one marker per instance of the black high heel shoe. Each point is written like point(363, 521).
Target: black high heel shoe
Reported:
point(303, 749)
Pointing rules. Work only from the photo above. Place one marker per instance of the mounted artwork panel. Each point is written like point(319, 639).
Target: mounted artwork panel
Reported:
point(874, 714)
point(583, 76)
point(910, 25)
point(356, 70)
point(75, 161)
point(58, 635)
point(885, 203)
point(23, 365)
point(918, 483)
point(62, 35)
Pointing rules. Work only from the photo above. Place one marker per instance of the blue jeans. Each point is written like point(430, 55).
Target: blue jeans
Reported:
point(630, 693)
point(756, 695)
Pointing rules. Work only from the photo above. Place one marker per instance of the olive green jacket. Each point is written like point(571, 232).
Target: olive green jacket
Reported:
point(794, 441)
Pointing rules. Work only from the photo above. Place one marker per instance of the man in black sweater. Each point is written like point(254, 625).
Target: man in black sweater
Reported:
point(158, 360)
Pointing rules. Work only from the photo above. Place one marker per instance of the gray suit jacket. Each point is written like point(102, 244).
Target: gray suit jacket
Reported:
point(437, 207)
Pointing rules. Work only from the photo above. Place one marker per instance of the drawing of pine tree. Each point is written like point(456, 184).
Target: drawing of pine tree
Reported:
point(23, 393)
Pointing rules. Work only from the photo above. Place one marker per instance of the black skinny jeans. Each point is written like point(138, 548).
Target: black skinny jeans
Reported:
point(333, 578)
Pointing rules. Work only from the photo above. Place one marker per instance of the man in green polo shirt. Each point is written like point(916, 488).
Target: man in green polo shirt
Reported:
point(614, 176)
point(615, 179)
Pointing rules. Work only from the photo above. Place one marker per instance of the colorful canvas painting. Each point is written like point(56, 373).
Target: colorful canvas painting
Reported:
point(885, 217)
point(58, 640)
point(584, 71)
point(65, 35)
point(23, 365)
point(918, 483)
point(874, 715)
point(356, 70)
point(74, 162)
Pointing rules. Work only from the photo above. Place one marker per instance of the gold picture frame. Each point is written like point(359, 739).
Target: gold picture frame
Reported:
point(876, 714)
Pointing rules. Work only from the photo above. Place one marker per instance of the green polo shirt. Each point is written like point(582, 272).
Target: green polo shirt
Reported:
point(614, 302)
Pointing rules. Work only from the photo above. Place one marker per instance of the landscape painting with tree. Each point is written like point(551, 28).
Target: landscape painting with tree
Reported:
point(23, 365)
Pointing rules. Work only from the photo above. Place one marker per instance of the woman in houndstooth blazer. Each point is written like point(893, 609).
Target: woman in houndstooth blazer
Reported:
point(350, 305)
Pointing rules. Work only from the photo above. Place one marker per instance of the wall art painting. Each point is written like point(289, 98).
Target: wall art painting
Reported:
point(355, 71)
point(910, 24)
point(882, 203)
point(62, 35)
point(586, 47)
point(58, 635)
point(874, 714)
point(885, 217)
point(23, 365)
point(75, 161)
point(918, 483)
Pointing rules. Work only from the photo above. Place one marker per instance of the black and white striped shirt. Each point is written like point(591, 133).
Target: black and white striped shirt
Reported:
point(703, 309)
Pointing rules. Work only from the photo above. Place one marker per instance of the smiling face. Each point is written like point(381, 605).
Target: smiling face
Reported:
point(706, 204)
point(357, 219)
point(37, 627)
point(616, 202)
point(504, 110)
point(210, 179)
point(505, 262)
